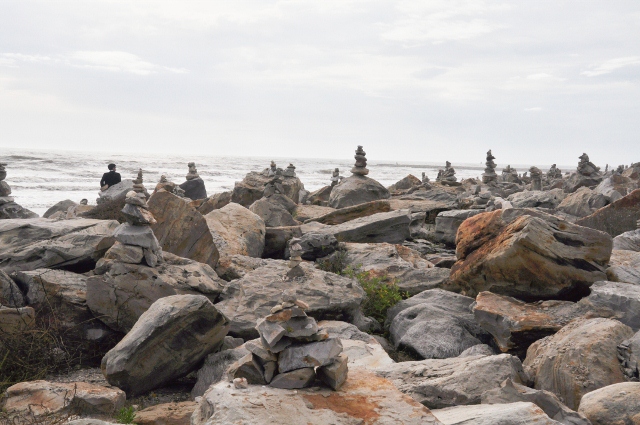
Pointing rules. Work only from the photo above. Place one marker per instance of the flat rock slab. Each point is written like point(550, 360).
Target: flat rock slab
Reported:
point(169, 341)
point(618, 217)
point(617, 404)
point(390, 227)
point(310, 212)
point(181, 229)
point(123, 291)
point(515, 325)
point(166, 414)
point(494, 414)
point(330, 297)
point(528, 255)
point(624, 267)
point(345, 214)
point(580, 358)
point(627, 241)
point(29, 244)
point(363, 399)
point(42, 397)
point(537, 198)
point(615, 300)
point(440, 383)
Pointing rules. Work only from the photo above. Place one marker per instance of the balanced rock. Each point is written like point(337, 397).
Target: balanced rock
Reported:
point(587, 175)
point(580, 358)
point(171, 338)
point(528, 255)
point(489, 176)
point(194, 186)
point(617, 404)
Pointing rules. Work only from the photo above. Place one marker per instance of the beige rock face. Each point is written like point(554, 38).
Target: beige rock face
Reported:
point(617, 404)
point(618, 217)
point(236, 231)
point(440, 383)
point(624, 267)
point(495, 414)
point(309, 212)
point(15, 320)
point(514, 324)
point(181, 229)
point(580, 358)
point(528, 255)
point(582, 202)
point(363, 399)
point(29, 244)
point(169, 340)
point(345, 214)
point(330, 297)
point(42, 397)
point(123, 291)
point(166, 414)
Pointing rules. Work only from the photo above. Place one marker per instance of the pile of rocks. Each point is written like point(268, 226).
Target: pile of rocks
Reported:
point(510, 175)
point(360, 167)
point(135, 239)
point(169, 186)
point(448, 175)
point(336, 177)
point(536, 178)
point(291, 351)
point(194, 186)
point(8, 208)
point(489, 175)
point(587, 175)
point(290, 171)
point(554, 173)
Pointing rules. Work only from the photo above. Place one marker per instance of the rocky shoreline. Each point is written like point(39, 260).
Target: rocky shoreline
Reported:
point(509, 299)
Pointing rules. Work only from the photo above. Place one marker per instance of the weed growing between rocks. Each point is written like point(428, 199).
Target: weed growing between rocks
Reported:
point(126, 415)
point(334, 263)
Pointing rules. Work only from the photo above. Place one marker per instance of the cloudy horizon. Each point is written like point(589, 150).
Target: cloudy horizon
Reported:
point(536, 82)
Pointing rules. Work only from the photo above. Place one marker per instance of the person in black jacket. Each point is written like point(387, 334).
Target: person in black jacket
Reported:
point(110, 178)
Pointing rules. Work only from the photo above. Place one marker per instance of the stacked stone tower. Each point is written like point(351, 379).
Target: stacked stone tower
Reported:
point(489, 175)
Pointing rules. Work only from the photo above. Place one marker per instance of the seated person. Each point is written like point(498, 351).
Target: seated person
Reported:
point(110, 178)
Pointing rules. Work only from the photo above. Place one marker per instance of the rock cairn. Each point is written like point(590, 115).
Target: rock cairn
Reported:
point(169, 186)
point(272, 171)
point(193, 188)
point(360, 167)
point(290, 171)
point(295, 259)
point(489, 175)
point(448, 175)
point(135, 239)
point(510, 175)
point(291, 351)
point(274, 186)
point(554, 173)
point(586, 167)
point(193, 171)
point(336, 177)
point(5, 190)
point(536, 178)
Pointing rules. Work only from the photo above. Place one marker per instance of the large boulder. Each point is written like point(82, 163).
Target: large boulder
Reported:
point(511, 392)
point(10, 210)
point(405, 183)
point(528, 255)
point(537, 198)
point(615, 300)
point(330, 297)
point(495, 414)
point(64, 295)
point(363, 399)
point(582, 202)
point(515, 325)
point(624, 266)
point(616, 218)
point(577, 180)
point(447, 223)
point(194, 189)
point(39, 398)
point(250, 189)
point(214, 202)
point(628, 241)
point(437, 325)
point(321, 196)
point(61, 206)
point(580, 358)
point(273, 213)
point(122, 292)
point(356, 190)
point(236, 231)
point(345, 214)
point(316, 245)
point(609, 188)
point(400, 264)
point(440, 383)
point(171, 339)
point(181, 229)
point(617, 404)
point(43, 243)
point(115, 192)
point(390, 227)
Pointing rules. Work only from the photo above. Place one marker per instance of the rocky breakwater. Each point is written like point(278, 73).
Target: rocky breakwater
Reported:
point(8, 208)
point(358, 188)
point(291, 351)
point(529, 255)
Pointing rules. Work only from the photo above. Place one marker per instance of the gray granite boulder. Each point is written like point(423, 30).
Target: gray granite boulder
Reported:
point(194, 189)
point(390, 227)
point(617, 404)
point(272, 213)
point(236, 231)
point(356, 190)
point(115, 192)
point(582, 202)
point(447, 224)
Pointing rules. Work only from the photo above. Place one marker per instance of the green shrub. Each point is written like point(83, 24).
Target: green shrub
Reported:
point(382, 293)
point(126, 415)
point(334, 263)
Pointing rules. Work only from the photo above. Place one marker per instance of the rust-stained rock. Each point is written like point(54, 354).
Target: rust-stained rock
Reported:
point(618, 217)
point(364, 399)
point(514, 324)
point(580, 358)
point(345, 214)
point(528, 255)
point(166, 414)
point(181, 229)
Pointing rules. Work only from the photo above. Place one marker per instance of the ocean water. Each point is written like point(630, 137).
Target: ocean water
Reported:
point(39, 179)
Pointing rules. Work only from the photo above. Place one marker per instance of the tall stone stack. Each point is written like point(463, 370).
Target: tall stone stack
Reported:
point(8, 208)
point(295, 259)
point(194, 186)
point(290, 171)
point(554, 173)
point(291, 352)
point(448, 175)
point(360, 167)
point(489, 176)
point(335, 177)
point(136, 242)
point(536, 178)
point(586, 175)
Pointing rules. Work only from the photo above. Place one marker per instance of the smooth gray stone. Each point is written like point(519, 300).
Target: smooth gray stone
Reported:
point(215, 368)
point(300, 378)
point(356, 190)
point(447, 223)
point(312, 355)
point(143, 236)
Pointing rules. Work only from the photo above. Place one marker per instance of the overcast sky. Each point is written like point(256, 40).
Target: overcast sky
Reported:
point(417, 80)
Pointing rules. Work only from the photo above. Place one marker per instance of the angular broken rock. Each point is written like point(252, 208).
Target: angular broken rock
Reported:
point(628, 241)
point(616, 218)
point(248, 368)
point(615, 300)
point(439, 383)
point(311, 355)
point(299, 378)
point(624, 267)
point(390, 227)
point(236, 231)
point(580, 358)
point(447, 223)
point(334, 374)
point(169, 340)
